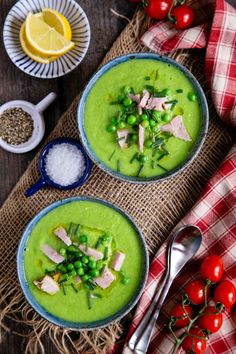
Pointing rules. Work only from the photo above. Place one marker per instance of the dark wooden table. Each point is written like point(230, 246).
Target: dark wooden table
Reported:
point(14, 84)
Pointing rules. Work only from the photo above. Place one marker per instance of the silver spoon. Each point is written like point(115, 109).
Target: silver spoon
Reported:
point(183, 245)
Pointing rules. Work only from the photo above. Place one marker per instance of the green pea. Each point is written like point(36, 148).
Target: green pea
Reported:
point(131, 120)
point(145, 123)
point(111, 128)
point(127, 101)
point(125, 280)
point(166, 92)
point(134, 137)
point(156, 115)
point(72, 248)
point(84, 259)
point(166, 117)
point(61, 268)
point(127, 89)
point(92, 264)
point(107, 238)
point(144, 116)
point(70, 266)
point(114, 120)
point(143, 158)
point(83, 239)
point(155, 129)
point(94, 273)
point(80, 271)
point(73, 273)
point(121, 125)
point(78, 254)
point(77, 264)
point(120, 98)
point(192, 96)
point(62, 251)
point(152, 122)
point(86, 286)
point(85, 277)
point(91, 258)
point(148, 143)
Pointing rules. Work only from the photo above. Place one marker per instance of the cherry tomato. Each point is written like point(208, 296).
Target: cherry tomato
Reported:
point(211, 320)
point(195, 292)
point(212, 268)
point(158, 9)
point(225, 293)
point(184, 16)
point(180, 314)
point(192, 343)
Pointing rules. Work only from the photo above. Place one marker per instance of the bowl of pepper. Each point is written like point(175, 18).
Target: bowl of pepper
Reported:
point(22, 124)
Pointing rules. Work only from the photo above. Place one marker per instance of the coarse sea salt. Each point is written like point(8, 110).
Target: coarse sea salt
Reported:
point(64, 164)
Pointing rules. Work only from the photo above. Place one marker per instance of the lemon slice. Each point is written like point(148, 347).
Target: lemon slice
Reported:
point(45, 39)
point(56, 20)
point(30, 51)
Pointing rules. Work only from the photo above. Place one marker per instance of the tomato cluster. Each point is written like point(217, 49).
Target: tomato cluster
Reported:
point(182, 16)
point(195, 313)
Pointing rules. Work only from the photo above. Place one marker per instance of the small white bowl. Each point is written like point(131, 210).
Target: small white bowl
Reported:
point(36, 112)
point(62, 66)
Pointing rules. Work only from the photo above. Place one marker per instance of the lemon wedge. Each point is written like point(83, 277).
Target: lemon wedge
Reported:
point(30, 51)
point(56, 20)
point(45, 39)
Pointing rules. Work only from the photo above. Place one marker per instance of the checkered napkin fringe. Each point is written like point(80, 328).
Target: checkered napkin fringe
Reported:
point(215, 215)
point(215, 29)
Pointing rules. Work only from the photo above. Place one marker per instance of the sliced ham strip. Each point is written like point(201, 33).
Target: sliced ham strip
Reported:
point(118, 261)
point(144, 99)
point(105, 280)
point(78, 280)
point(91, 252)
point(123, 133)
point(135, 98)
point(52, 254)
point(61, 233)
point(156, 103)
point(177, 128)
point(48, 285)
point(141, 137)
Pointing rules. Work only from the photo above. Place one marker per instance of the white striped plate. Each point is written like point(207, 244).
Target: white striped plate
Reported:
point(80, 35)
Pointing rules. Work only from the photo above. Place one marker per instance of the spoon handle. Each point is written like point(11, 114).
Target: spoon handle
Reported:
point(143, 341)
point(146, 318)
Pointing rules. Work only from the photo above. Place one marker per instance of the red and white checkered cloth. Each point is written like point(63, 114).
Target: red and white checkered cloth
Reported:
point(215, 29)
point(215, 215)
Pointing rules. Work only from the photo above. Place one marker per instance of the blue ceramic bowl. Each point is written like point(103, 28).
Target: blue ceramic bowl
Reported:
point(203, 127)
point(45, 179)
point(58, 321)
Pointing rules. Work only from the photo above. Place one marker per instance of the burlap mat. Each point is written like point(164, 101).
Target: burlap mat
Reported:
point(156, 208)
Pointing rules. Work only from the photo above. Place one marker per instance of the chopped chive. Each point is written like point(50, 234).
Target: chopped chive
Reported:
point(156, 76)
point(158, 143)
point(153, 164)
point(147, 78)
point(77, 230)
point(162, 167)
point(179, 91)
point(89, 300)
point(114, 103)
point(106, 253)
point(172, 101)
point(150, 88)
point(91, 285)
point(94, 296)
point(140, 170)
point(99, 243)
point(64, 289)
point(63, 281)
point(110, 157)
point(118, 165)
point(134, 157)
point(129, 139)
point(162, 155)
point(121, 138)
point(70, 229)
point(159, 94)
point(74, 288)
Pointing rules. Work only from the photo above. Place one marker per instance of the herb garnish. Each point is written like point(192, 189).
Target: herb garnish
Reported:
point(106, 253)
point(89, 300)
point(118, 165)
point(134, 157)
point(110, 157)
point(74, 288)
point(140, 170)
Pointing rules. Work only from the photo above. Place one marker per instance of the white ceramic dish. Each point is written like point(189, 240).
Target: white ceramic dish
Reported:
point(36, 112)
point(68, 62)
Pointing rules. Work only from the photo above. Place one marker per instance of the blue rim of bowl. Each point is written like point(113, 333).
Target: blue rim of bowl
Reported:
point(79, 325)
point(83, 178)
point(204, 119)
point(60, 67)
